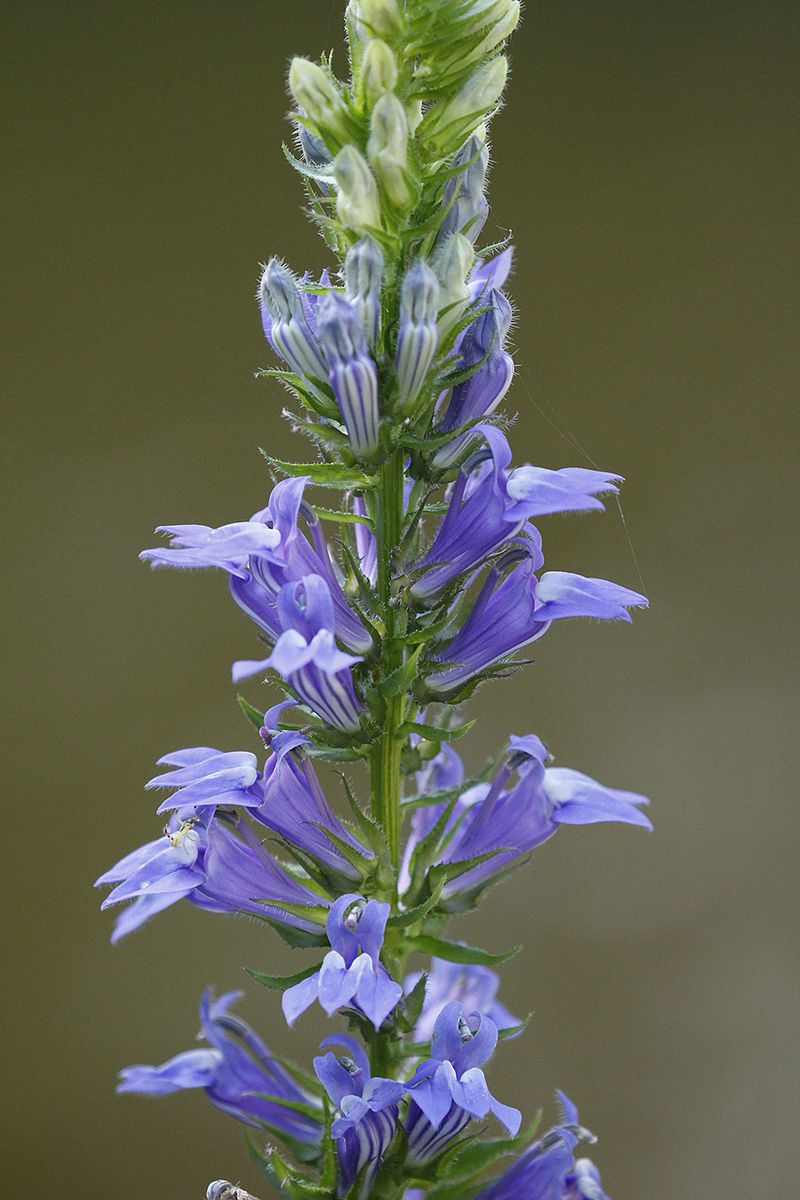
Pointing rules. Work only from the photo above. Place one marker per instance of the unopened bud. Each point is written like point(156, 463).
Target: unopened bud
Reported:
point(448, 121)
point(464, 198)
point(357, 204)
point(317, 94)
point(315, 152)
point(375, 17)
point(418, 336)
point(453, 264)
point(363, 277)
point(289, 330)
point(353, 374)
point(388, 147)
point(378, 70)
point(498, 33)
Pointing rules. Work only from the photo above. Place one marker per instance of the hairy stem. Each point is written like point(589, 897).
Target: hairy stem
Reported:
point(387, 750)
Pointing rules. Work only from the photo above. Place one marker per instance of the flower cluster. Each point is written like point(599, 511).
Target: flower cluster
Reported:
point(379, 615)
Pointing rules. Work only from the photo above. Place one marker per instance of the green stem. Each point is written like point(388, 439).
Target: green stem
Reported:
point(387, 750)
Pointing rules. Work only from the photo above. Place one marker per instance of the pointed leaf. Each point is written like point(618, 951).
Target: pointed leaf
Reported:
point(455, 952)
point(279, 983)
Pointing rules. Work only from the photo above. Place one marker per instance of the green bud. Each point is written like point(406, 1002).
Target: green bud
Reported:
point(371, 17)
point(496, 33)
point(452, 266)
point(316, 92)
point(357, 204)
point(450, 122)
point(388, 147)
point(378, 70)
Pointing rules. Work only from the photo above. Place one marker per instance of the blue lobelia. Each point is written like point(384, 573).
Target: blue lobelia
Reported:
point(395, 571)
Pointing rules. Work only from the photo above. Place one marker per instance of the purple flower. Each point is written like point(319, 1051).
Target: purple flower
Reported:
point(514, 608)
point(449, 1089)
point(489, 505)
point(206, 777)
point(256, 592)
point(490, 274)
point(228, 547)
point(242, 876)
point(508, 821)
point(353, 374)
point(367, 1108)
point(351, 972)
point(237, 1073)
point(294, 805)
point(474, 987)
point(482, 348)
point(547, 1170)
point(156, 875)
point(307, 657)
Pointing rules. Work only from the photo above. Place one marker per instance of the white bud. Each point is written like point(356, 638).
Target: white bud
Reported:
point(497, 33)
point(378, 70)
point(373, 17)
point(388, 147)
point(452, 266)
point(317, 94)
point(357, 204)
point(478, 95)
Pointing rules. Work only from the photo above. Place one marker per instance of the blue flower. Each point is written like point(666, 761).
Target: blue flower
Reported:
point(307, 658)
point(228, 547)
point(548, 1170)
point(474, 987)
point(294, 805)
point(509, 818)
point(515, 608)
point(242, 876)
point(449, 1089)
point(156, 875)
point(352, 373)
point(482, 349)
point(208, 778)
point(367, 1109)
point(352, 971)
point(237, 1073)
point(489, 505)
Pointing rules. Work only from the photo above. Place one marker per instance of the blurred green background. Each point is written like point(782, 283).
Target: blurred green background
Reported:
point(646, 168)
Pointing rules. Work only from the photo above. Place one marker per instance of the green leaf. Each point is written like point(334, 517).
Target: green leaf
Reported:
point(279, 983)
point(316, 913)
point(405, 919)
point(358, 861)
point(254, 715)
point(453, 870)
point(401, 679)
point(342, 518)
point(298, 939)
point(334, 475)
point(432, 733)
point(416, 999)
point(323, 174)
point(462, 1165)
point(512, 1030)
point(455, 952)
point(334, 754)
